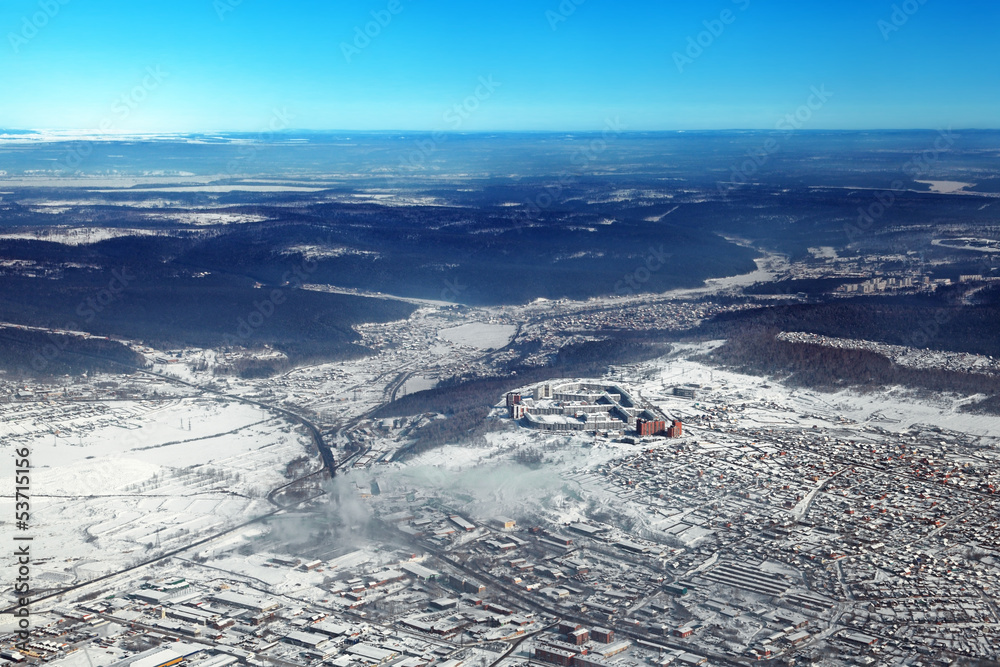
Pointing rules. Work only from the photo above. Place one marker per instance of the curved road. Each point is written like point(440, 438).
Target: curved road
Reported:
point(329, 464)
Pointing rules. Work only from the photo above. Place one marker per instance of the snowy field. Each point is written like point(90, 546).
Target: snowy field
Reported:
point(893, 408)
point(946, 187)
point(480, 335)
point(77, 235)
point(115, 481)
point(221, 188)
point(417, 383)
point(204, 218)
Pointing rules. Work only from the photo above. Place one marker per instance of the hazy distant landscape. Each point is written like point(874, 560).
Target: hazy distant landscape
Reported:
point(482, 220)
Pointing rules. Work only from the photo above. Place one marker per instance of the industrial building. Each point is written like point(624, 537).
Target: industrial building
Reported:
point(241, 601)
point(305, 639)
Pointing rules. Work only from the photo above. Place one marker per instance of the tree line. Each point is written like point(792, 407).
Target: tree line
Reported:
point(758, 351)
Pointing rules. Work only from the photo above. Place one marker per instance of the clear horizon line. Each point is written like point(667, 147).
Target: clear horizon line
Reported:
point(287, 131)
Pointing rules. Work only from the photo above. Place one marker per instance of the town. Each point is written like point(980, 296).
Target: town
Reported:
point(669, 512)
point(771, 525)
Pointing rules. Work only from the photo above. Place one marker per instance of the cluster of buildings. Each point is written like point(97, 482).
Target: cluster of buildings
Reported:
point(762, 533)
point(573, 645)
point(925, 283)
point(589, 405)
point(754, 537)
point(892, 283)
point(68, 390)
point(216, 622)
point(568, 323)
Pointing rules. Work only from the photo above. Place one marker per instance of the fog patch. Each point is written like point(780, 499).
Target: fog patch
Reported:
point(342, 519)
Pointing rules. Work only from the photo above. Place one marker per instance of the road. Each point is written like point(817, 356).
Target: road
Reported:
point(321, 445)
point(512, 646)
point(329, 462)
point(324, 449)
point(538, 604)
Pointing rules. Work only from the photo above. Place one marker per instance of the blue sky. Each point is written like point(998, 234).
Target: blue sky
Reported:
point(253, 64)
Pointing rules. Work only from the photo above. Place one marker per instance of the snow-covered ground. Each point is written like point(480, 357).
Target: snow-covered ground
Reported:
point(485, 481)
point(946, 187)
point(205, 218)
point(479, 334)
point(113, 482)
point(117, 480)
point(894, 408)
point(417, 383)
point(78, 235)
point(221, 188)
point(910, 357)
